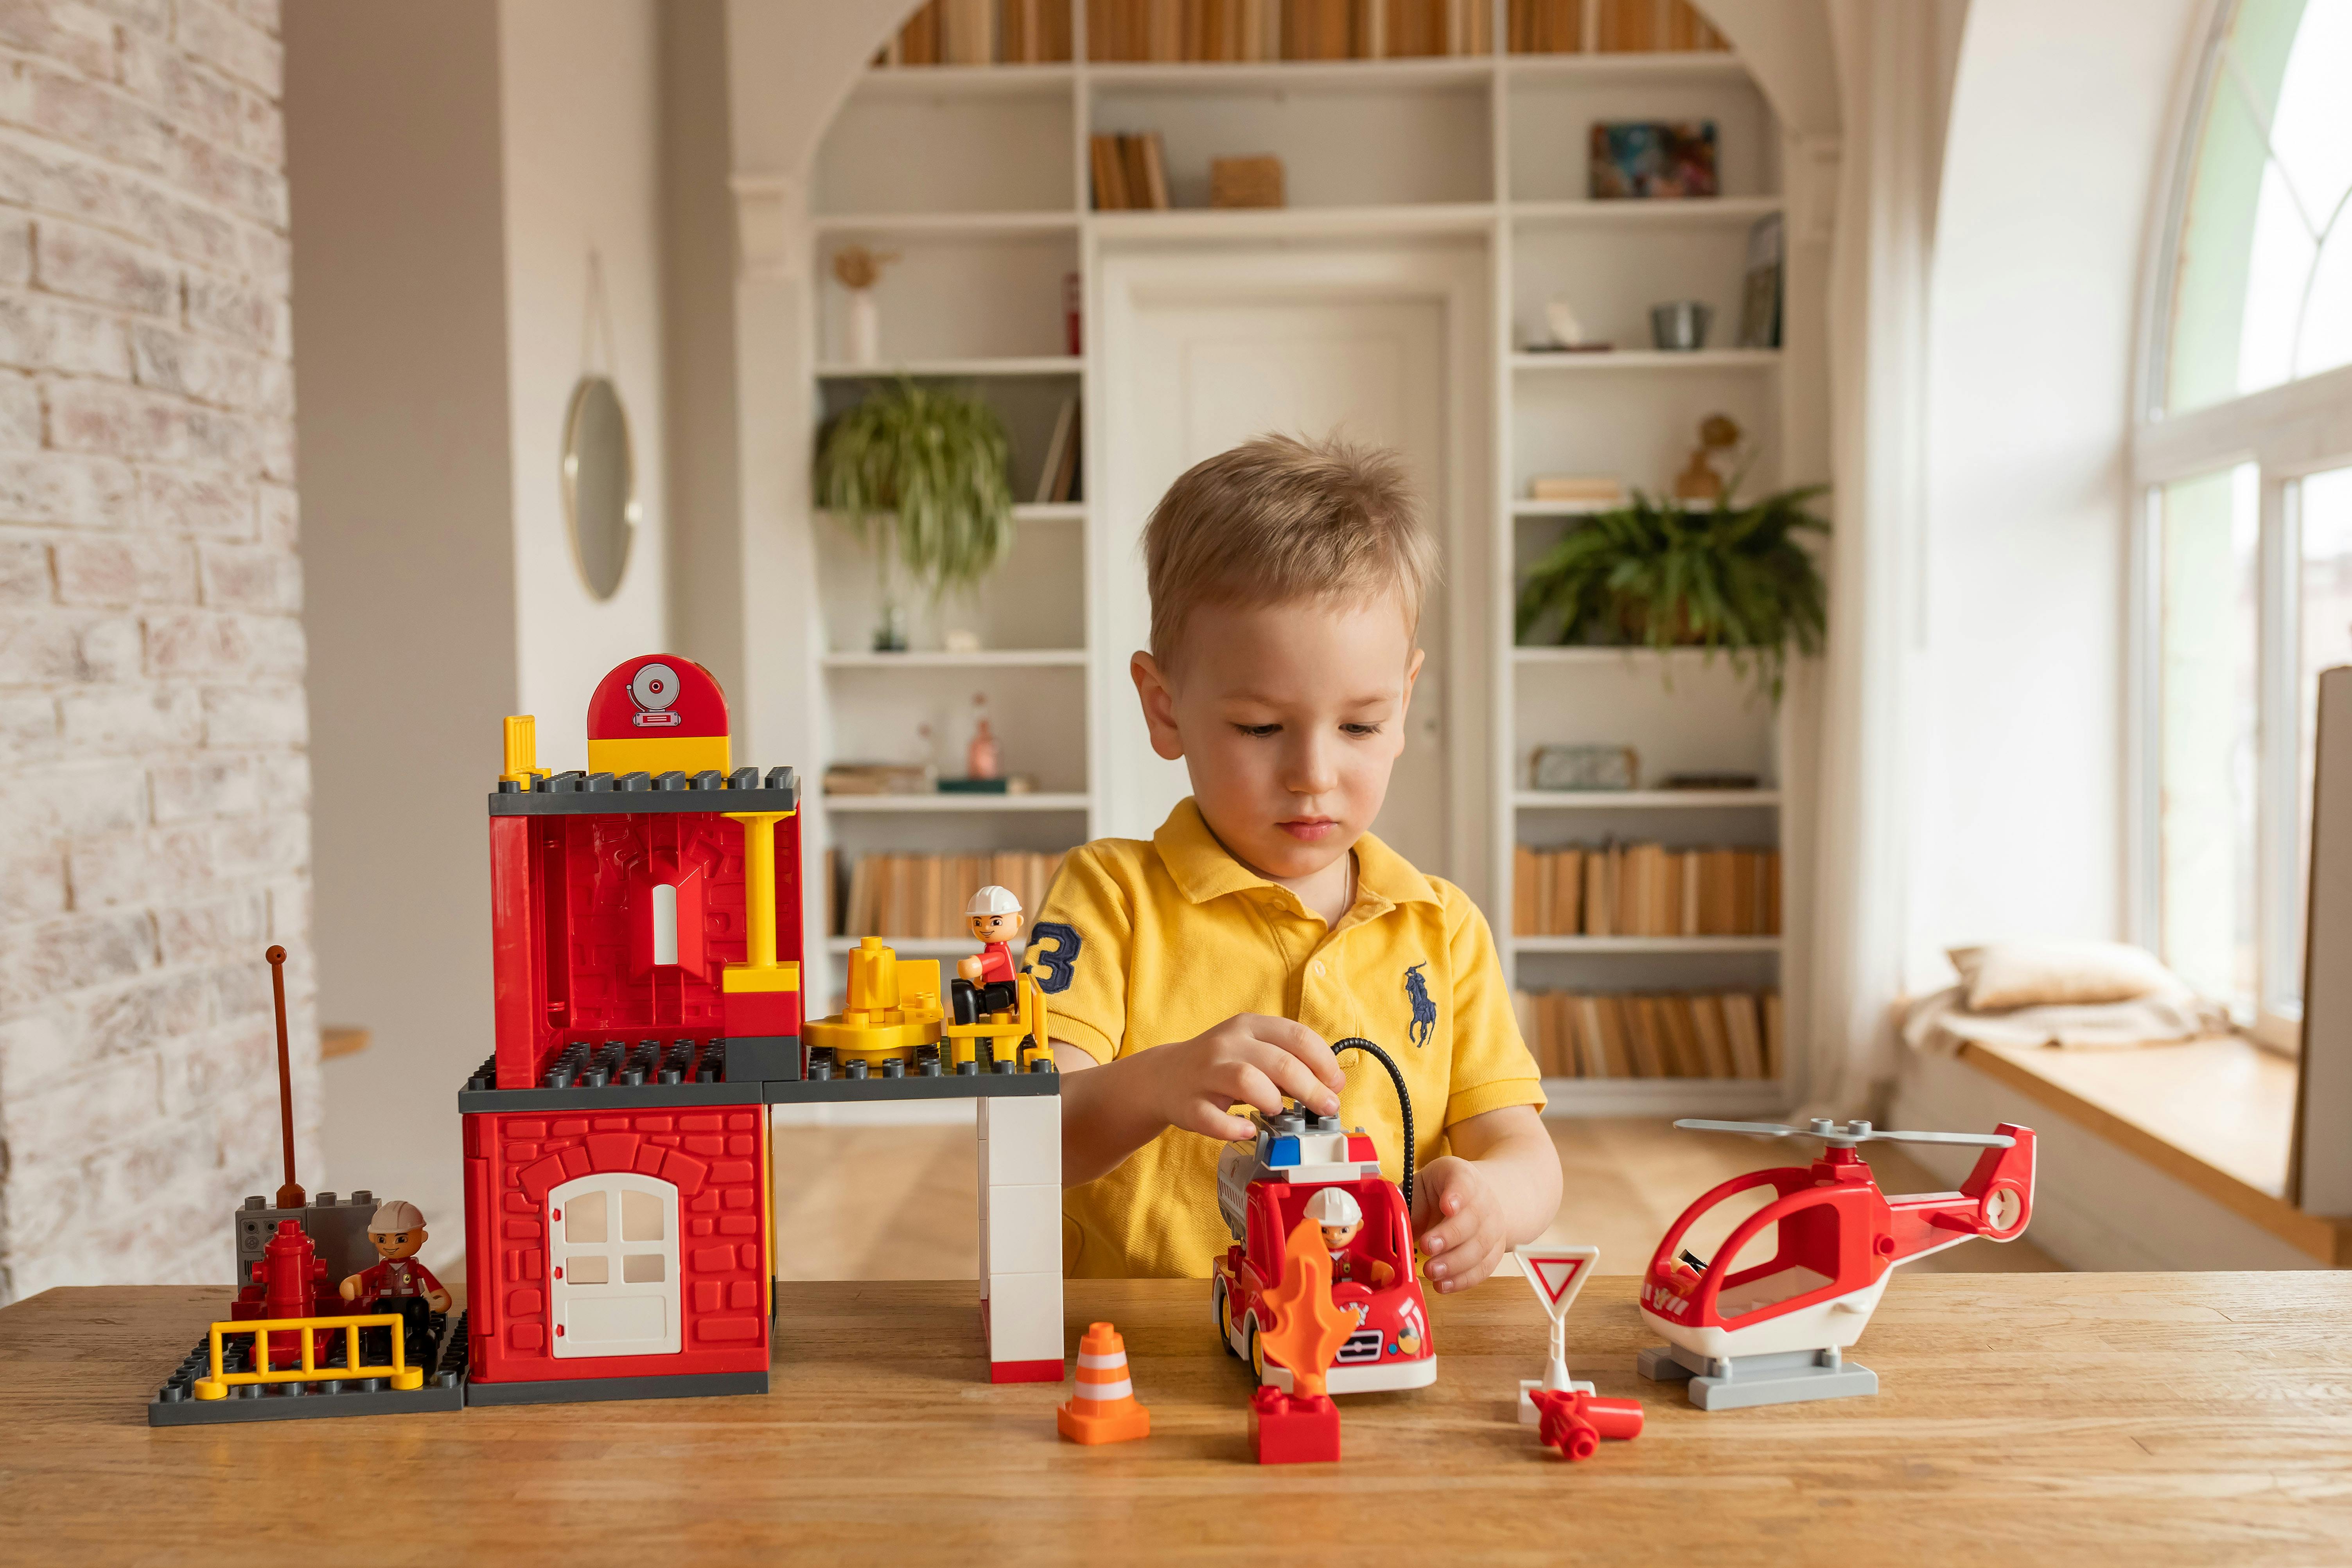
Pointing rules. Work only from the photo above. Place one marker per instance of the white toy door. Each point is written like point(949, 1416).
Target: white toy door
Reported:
point(613, 1283)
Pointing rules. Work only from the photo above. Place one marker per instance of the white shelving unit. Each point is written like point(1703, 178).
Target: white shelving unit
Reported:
point(978, 177)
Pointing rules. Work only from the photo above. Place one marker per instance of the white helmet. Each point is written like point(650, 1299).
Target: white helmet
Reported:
point(1333, 1208)
point(993, 901)
point(395, 1216)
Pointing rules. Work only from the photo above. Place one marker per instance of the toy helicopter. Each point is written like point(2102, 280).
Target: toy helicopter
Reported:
point(1776, 1333)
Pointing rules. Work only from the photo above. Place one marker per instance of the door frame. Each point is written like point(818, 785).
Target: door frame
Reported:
point(1454, 275)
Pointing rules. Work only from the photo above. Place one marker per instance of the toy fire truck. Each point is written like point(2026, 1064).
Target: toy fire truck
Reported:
point(646, 946)
point(1305, 1167)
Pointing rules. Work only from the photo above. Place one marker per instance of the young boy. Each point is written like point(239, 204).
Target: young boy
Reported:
point(1213, 966)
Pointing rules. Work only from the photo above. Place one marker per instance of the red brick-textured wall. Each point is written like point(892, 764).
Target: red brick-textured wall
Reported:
point(154, 833)
point(711, 1154)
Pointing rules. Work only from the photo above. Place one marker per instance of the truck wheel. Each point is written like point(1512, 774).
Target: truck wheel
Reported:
point(1221, 1308)
point(1255, 1353)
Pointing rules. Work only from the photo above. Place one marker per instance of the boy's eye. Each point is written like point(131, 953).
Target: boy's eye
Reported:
point(1360, 728)
point(1259, 731)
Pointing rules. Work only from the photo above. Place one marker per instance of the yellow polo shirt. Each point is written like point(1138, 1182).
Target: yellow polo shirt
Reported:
point(1139, 944)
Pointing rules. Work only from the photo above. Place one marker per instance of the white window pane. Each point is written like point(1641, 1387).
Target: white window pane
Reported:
point(588, 1268)
point(643, 1268)
point(2324, 623)
point(2261, 295)
point(641, 1215)
point(2208, 528)
point(584, 1218)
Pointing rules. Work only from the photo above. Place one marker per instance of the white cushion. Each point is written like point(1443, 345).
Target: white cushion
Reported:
point(2004, 974)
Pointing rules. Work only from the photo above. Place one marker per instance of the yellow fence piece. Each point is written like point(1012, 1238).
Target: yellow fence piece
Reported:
point(401, 1374)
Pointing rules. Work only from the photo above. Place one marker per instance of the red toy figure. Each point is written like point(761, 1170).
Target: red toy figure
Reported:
point(1575, 1423)
point(1303, 1426)
point(984, 985)
point(1340, 1217)
point(400, 1284)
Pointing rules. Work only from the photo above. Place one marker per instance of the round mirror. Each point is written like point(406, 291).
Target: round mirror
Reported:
point(599, 484)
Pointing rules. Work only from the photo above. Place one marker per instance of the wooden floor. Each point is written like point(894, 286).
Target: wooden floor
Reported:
point(897, 1202)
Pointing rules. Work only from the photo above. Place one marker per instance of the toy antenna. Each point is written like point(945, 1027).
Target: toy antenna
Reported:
point(289, 1196)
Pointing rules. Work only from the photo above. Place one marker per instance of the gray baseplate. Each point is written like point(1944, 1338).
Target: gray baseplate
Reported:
point(176, 1405)
point(1745, 1381)
point(585, 1390)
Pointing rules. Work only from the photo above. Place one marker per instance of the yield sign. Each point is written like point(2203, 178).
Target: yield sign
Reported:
point(1557, 1274)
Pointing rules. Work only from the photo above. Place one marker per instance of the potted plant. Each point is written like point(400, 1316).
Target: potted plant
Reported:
point(928, 463)
point(1654, 574)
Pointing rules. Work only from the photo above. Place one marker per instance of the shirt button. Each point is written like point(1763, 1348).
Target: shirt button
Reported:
point(1318, 966)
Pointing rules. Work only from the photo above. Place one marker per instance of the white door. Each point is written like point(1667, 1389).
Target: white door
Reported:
point(613, 1266)
point(1205, 353)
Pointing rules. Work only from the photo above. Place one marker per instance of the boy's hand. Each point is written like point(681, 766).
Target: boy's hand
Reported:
point(1458, 1216)
point(1249, 1059)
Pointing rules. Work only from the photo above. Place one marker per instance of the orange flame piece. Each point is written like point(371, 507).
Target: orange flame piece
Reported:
point(1308, 1327)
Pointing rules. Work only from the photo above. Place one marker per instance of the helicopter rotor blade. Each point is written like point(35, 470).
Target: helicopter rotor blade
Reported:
point(1753, 1128)
point(1976, 1140)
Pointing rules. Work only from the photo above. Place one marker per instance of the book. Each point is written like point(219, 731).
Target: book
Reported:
point(1760, 293)
point(968, 35)
point(1713, 1045)
point(1682, 1040)
point(1600, 490)
point(1109, 179)
point(1600, 893)
point(1155, 171)
point(1049, 472)
point(1566, 877)
point(1524, 879)
point(1744, 1031)
point(1641, 1015)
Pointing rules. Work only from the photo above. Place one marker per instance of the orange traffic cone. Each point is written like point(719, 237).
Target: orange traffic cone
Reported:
point(1105, 1410)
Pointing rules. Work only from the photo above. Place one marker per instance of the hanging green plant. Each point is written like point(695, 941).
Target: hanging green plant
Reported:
point(929, 462)
point(1654, 574)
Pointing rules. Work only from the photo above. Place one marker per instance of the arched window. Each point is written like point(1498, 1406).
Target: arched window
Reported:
point(2243, 459)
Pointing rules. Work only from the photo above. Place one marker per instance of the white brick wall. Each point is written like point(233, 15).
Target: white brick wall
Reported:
point(154, 795)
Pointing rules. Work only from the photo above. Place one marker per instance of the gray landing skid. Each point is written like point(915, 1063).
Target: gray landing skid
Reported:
point(1743, 1382)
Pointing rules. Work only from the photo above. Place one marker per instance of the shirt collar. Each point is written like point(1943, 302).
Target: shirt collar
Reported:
point(1204, 869)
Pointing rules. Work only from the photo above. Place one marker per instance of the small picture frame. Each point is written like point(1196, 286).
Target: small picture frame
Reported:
point(1653, 159)
point(1585, 767)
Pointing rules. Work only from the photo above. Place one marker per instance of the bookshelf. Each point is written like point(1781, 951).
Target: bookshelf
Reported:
point(979, 178)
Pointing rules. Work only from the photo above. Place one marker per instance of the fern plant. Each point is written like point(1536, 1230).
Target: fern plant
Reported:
point(927, 464)
point(1654, 574)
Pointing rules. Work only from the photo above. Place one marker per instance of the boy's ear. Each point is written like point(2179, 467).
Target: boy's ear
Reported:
point(1158, 706)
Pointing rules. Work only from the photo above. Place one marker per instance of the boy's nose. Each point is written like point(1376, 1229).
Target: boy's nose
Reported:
point(1311, 771)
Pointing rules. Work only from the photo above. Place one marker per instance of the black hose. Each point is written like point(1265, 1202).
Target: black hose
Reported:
point(1404, 1102)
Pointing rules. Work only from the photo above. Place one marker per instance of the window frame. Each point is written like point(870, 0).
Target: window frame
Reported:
point(2287, 432)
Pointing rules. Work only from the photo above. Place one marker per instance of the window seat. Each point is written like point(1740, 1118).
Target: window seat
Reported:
point(2159, 1156)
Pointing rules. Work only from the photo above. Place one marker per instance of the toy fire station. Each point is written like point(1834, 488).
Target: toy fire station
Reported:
point(647, 944)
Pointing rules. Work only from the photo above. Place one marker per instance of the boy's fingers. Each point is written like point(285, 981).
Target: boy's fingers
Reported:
point(1302, 1043)
point(1254, 1085)
point(1292, 1077)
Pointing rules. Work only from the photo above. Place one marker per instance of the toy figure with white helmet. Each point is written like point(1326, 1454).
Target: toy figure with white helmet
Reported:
point(984, 983)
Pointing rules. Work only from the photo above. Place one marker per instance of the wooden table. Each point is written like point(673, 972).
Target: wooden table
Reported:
point(2025, 1418)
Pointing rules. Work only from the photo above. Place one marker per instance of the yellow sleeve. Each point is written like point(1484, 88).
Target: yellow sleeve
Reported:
point(1079, 949)
point(1492, 1065)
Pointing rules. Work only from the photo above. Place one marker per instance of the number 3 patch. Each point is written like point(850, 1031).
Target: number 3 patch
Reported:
point(1055, 961)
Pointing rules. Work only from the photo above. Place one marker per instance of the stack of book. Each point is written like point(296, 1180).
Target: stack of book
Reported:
point(1244, 30)
point(981, 33)
point(1576, 1034)
point(1130, 172)
point(923, 895)
point(1607, 27)
point(1644, 890)
point(880, 778)
point(1057, 476)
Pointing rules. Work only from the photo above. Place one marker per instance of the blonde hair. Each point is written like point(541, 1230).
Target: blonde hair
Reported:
point(1280, 520)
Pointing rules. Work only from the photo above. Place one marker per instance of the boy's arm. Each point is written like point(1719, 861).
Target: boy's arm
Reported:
point(1112, 1108)
point(1499, 1187)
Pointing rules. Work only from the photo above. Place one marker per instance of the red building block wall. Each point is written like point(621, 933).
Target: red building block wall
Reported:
point(717, 1158)
point(571, 927)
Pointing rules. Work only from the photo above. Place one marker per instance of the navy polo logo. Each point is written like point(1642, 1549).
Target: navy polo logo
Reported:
point(1057, 960)
point(1424, 1011)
